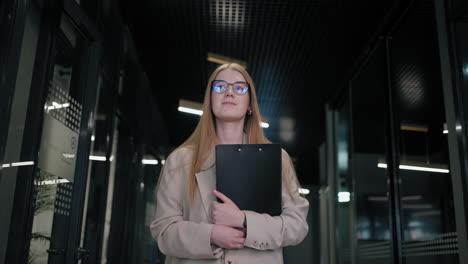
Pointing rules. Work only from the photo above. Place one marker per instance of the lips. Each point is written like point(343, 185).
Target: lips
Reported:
point(229, 103)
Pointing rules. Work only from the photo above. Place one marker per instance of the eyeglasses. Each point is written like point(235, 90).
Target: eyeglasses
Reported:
point(220, 86)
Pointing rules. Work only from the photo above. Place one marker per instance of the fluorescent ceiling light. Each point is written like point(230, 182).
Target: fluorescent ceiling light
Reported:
point(445, 131)
point(264, 124)
point(344, 197)
point(150, 161)
point(220, 59)
point(415, 128)
point(190, 110)
point(382, 165)
point(98, 158)
point(416, 168)
point(304, 191)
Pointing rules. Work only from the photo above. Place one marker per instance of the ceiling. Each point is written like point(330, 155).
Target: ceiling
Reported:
point(297, 52)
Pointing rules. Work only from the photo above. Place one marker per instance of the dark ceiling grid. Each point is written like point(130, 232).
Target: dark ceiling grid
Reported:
point(302, 110)
point(284, 92)
point(257, 37)
point(232, 31)
point(263, 56)
point(200, 33)
point(277, 70)
point(184, 45)
point(285, 55)
point(194, 31)
point(274, 91)
point(311, 57)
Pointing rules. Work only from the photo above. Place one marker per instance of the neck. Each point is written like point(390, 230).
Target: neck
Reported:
point(230, 132)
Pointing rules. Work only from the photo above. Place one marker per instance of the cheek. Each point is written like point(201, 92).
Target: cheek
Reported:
point(246, 102)
point(215, 100)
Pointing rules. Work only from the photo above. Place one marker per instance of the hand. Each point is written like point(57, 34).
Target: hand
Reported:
point(227, 237)
point(226, 213)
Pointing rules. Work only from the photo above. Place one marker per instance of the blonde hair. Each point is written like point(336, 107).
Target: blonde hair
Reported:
point(204, 138)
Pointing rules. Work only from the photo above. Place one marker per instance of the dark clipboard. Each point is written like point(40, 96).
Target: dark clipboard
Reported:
point(250, 175)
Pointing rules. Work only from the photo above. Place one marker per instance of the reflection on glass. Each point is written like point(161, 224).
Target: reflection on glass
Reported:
point(54, 179)
point(426, 198)
point(343, 186)
point(371, 191)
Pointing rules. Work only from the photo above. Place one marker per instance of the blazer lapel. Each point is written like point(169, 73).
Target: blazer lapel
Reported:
point(206, 181)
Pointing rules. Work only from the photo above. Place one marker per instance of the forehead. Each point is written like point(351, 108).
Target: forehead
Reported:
point(230, 75)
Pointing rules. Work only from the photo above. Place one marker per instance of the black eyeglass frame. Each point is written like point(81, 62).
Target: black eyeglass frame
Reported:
point(246, 89)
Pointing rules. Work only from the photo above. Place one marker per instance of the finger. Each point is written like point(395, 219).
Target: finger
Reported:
point(236, 244)
point(239, 241)
point(222, 197)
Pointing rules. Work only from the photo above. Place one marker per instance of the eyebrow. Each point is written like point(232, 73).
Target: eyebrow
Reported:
point(233, 82)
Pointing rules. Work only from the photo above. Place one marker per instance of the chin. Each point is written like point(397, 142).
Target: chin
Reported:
point(230, 118)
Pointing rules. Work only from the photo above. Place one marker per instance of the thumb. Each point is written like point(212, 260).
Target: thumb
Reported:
point(222, 197)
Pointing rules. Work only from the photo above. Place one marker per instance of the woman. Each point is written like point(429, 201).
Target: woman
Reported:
point(189, 225)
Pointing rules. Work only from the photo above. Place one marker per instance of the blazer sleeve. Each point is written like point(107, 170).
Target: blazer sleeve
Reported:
point(266, 232)
point(174, 235)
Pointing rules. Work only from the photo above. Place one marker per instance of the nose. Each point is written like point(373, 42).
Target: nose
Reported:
point(230, 90)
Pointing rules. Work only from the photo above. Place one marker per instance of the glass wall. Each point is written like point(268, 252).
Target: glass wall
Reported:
point(396, 199)
point(58, 150)
point(428, 227)
point(373, 233)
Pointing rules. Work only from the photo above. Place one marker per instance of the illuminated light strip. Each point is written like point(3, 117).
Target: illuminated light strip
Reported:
point(24, 163)
point(190, 110)
point(382, 165)
point(344, 197)
point(445, 131)
point(304, 191)
point(68, 155)
point(416, 168)
point(56, 105)
point(17, 164)
point(98, 158)
point(53, 182)
point(149, 161)
point(265, 125)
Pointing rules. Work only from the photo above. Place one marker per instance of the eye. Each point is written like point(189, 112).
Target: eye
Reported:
point(240, 88)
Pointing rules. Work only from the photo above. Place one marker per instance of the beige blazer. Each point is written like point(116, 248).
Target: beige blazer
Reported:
point(183, 231)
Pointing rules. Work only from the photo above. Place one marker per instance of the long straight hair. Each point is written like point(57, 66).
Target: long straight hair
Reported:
point(204, 138)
